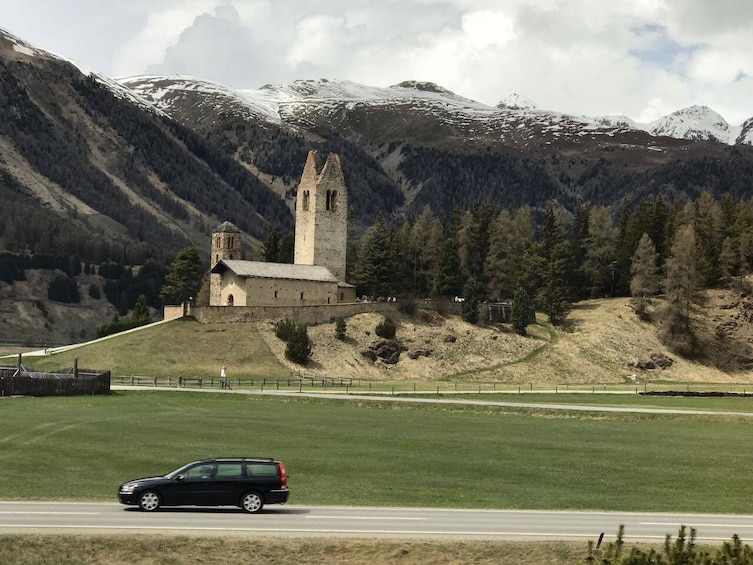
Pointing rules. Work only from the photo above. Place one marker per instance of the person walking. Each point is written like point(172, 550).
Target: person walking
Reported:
point(223, 377)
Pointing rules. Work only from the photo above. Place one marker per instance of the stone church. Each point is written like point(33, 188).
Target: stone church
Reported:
point(318, 275)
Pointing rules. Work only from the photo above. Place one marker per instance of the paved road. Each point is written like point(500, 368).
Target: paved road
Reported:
point(410, 399)
point(363, 522)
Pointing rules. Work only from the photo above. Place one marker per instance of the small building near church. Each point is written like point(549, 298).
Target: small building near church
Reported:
point(318, 275)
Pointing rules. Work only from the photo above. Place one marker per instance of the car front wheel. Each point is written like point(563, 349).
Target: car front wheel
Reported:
point(149, 501)
point(252, 502)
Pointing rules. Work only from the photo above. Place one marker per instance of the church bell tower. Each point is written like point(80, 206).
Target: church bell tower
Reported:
point(321, 215)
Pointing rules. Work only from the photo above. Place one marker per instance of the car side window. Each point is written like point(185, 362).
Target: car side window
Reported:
point(201, 472)
point(261, 470)
point(229, 470)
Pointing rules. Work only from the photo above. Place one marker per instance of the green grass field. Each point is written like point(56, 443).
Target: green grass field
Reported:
point(721, 404)
point(372, 453)
point(177, 348)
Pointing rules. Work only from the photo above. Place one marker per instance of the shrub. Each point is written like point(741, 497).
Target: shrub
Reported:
point(299, 346)
point(284, 329)
point(118, 326)
point(521, 311)
point(472, 292)
point(408, 306)
point(63, 289)
point(340, 329)
point(386, 329)
point(684, 549)
point(94, 291)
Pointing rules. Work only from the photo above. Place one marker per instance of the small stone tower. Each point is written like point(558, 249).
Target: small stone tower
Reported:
point(226, 244)
point(321, 215)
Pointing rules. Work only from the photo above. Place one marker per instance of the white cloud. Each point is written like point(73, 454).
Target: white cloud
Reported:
point(165, 22)
point(486, 28)
point(642, 58)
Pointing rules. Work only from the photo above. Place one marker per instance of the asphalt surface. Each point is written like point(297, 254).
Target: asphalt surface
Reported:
point(364, 522)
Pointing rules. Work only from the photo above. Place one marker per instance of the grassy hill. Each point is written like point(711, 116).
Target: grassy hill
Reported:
point(603, 341)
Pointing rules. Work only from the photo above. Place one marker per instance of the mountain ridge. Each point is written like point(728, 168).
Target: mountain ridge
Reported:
point(281, 101)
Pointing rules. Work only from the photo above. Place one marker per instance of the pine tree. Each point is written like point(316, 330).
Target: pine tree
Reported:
point(578, 251)
point(271, 246)
point(386, 329)
point(707, 226)
point(447, 279)
point(299, 347)
point(552, 296)
point(628, 236)
point(469, 246)
point(340, 329)
point(681, 285)
point(426, 239)
point(600, 264)
point(499, 275)
point(286, 250)
point(472, 296)
point(510, 235)
point(184, 276)
point(377, 260)
point(521, 310)
point(140, 312)
point(645, 273)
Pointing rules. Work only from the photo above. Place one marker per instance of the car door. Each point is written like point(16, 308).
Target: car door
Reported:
point(192, 487)
point(226, 486)
point(262, 477)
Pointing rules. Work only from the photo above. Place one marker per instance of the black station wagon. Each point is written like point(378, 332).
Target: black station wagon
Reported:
point(247, 482)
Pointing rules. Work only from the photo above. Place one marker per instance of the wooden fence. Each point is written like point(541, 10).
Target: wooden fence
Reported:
point(23, 380)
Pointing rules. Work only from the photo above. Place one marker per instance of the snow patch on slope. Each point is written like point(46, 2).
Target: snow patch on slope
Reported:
point(161, 90)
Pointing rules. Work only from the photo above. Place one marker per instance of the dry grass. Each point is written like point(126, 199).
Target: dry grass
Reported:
point(157, 550)
point(600, 343)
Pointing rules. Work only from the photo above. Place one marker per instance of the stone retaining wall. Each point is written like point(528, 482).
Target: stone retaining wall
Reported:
point(314, 314)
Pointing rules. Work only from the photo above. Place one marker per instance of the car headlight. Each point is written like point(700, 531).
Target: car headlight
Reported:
point(129, 488)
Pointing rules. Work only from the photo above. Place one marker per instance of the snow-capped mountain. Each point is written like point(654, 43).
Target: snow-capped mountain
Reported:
point(515, 120)
point(408, 109)
point(516, 101)
point(697, 123)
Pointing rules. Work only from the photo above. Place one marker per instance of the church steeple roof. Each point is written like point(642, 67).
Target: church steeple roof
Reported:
point(227, 227)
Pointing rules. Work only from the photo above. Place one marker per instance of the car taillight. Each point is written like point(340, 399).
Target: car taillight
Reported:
point(283, 475)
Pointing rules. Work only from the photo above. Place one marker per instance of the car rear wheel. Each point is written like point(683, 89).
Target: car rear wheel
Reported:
point(149, 501)
point(252, 502)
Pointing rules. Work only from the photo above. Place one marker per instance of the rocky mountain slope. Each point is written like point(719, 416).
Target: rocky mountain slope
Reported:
point(112, 177)
point(439, 149)
point(158, 161)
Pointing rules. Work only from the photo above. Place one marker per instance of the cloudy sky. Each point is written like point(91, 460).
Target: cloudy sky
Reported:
point(641, 58)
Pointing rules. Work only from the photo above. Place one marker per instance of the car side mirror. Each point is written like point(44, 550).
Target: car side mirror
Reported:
point(180, 478)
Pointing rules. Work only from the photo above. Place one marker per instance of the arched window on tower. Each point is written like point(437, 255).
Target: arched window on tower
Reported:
point(305, 200)
point(329, 195)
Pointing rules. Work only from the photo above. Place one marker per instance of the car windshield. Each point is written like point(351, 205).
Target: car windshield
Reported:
point(180, 471)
